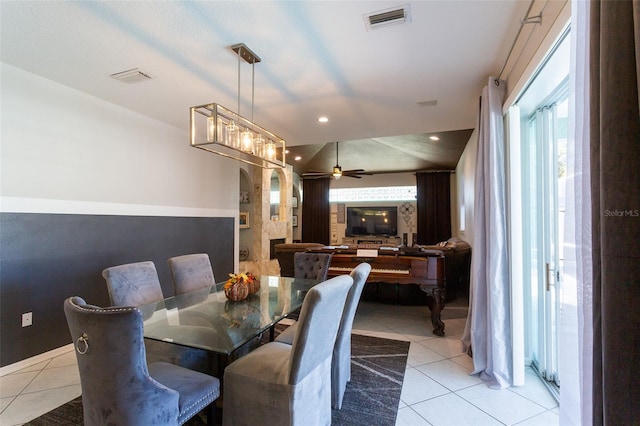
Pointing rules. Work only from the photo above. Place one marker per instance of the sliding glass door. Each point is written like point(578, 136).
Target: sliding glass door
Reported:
point(544, 169)
point(538, 169)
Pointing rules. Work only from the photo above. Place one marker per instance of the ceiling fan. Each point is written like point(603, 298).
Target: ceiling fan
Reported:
point(336, 172)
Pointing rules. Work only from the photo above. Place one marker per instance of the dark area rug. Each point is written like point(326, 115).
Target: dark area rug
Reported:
point(371, 398)
point(377, 373)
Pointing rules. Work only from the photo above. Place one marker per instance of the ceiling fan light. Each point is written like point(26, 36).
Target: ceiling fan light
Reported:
point(337, 172)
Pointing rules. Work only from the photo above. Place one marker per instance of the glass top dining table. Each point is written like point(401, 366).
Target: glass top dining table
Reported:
point(205, 319)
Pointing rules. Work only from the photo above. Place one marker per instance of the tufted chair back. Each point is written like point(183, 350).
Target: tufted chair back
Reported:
point(285, 254)
point(312, 265)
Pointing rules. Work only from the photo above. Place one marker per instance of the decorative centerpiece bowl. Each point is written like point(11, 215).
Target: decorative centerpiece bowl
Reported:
point(239, 286)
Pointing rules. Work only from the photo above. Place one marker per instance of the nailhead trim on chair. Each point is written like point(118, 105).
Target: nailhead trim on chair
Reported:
point(189, 410)
point(105, 310)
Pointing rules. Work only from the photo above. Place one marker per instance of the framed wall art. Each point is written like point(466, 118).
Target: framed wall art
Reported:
point(244, 220)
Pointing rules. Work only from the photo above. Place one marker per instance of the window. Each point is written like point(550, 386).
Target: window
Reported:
point(386, 193)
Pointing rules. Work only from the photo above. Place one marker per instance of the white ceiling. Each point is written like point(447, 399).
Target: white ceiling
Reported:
point(318, 58)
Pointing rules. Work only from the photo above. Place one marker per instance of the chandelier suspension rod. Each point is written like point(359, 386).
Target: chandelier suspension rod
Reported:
point(253, 80)
point(239, 55)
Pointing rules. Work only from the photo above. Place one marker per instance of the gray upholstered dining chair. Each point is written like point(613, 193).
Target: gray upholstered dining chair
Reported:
point(133, 284)
point(137, 284)
point(311, 265)
point(281, 384)
point(341, 363)
point(118, 387)
point(285, 252)
point(314, 266)
point(191, 272)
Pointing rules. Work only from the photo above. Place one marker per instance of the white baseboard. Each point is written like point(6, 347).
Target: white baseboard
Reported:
point(12, 368)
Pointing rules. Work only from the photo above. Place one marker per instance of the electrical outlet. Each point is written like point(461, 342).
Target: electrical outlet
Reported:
point(27, 319)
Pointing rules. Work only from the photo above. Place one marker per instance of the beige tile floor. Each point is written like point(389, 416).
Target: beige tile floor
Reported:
point(437, 389)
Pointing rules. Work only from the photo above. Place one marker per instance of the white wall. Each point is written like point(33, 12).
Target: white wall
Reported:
point(62, 145)
point(465, 174)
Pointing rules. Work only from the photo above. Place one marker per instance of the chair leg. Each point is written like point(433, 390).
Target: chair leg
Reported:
point(211, 414)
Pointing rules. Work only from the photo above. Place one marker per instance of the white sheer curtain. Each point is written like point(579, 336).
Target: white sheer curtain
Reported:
point(576, 330)
point(488, 329)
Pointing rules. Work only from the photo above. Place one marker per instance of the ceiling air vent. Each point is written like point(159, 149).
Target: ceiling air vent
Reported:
point(381, 18)
point(134, 75)
point(432, 102)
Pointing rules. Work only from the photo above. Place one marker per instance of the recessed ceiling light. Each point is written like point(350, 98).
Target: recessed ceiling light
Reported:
point(434, 138)
point(297, 158)
point(323, 119)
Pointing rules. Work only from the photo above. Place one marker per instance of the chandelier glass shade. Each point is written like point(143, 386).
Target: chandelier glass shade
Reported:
point(217, 129)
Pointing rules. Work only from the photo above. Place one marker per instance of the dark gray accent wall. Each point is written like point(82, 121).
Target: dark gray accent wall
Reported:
point(45, 258)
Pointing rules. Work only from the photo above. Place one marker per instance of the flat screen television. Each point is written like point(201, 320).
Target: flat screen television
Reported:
point(372, 221)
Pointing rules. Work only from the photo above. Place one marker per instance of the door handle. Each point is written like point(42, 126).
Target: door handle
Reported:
point(548, 271)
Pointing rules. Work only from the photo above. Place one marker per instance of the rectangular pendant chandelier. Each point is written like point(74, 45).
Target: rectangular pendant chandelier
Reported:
point(217, 129)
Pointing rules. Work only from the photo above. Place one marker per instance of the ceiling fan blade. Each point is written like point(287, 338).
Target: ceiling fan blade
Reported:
point(351, 173)
point(354, 173)
point(315, 173)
